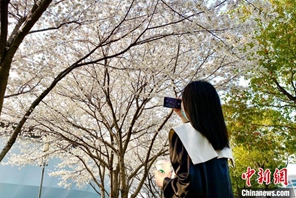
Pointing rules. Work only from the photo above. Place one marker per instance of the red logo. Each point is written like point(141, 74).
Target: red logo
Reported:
point(279, 176)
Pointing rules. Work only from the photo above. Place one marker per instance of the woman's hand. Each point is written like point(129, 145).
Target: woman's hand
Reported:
point(159, 176)
point(179, 113)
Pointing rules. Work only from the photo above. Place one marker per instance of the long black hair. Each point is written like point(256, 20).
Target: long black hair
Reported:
point(202, 106)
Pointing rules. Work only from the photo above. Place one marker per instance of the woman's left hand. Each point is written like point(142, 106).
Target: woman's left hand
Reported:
point(159, 176)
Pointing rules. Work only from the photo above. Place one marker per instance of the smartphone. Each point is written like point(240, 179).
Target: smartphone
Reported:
point(172, 102)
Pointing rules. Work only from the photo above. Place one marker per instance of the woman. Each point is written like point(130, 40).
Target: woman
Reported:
point(199, 148)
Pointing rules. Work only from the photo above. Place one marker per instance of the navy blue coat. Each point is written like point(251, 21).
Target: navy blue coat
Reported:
point(205, 180)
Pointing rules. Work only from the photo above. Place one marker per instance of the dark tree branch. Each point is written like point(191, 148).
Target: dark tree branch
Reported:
point(16, 28)
point(4, 27)
point(292, 80)
point(8, 51)
point(55, 28)
point(284, 91)
point(21, 89)
point(31, 19)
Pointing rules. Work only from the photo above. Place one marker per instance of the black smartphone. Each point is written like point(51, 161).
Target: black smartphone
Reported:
point(172, 102)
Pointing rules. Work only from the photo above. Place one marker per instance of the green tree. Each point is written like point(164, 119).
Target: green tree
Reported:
point(255, 144)
point(273, 89)
point(254, 160)
point(261, 117)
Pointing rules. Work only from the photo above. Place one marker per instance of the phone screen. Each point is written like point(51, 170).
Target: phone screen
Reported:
point(172, 102)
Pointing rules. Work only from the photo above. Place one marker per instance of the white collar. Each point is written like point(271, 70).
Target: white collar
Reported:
point(197, 146)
